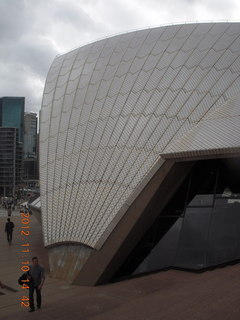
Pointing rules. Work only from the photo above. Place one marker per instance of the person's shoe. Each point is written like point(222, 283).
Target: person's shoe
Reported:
point(31, 310)
point(38, 308)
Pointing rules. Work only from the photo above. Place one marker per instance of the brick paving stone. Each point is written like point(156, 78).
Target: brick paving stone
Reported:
point(168, 295)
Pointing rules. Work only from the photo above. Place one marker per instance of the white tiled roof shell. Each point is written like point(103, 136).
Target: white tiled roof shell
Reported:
point(217, 133)
point(110, 109)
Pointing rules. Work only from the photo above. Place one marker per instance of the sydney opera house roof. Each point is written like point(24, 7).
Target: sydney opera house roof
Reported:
point(113, 110)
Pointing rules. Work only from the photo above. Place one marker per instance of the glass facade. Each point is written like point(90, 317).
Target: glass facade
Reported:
point(30, 135)
point(30, 161)
point(199, 228)
point(10, 161)
point(11, 143)
point(12, 114)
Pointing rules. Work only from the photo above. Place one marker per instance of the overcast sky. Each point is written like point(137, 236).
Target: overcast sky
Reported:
point(33, 32)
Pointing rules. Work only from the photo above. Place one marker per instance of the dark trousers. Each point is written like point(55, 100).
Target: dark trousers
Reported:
point(9, 236)
point(31, 296)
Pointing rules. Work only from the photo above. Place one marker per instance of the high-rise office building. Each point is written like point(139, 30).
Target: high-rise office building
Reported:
point(30, 161)
point(30, 135)
point(12, 114)
point(11, 143)
point(10, 161)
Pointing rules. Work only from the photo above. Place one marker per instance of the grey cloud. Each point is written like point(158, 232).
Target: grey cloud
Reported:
point(191, 9)
point(77, 24)
point(111, 17)
point(75, 16)
point(32, 33)
point(19, 81)
point(219, 6)
point(14, 19)
point(36, 55)
point(25, 53)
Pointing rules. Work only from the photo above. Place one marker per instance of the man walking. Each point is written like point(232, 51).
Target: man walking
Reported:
point(37, 279)
point(9, 229)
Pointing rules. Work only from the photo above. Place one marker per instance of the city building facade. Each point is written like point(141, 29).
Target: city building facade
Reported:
point(30, 161)
point(11, 145)
point(140, 153)
point(10, 161)
point(12, 114)
point(30, 135)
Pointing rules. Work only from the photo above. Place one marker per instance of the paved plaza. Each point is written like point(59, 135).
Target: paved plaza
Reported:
point(167, 295)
